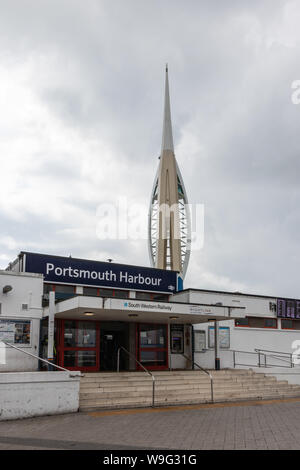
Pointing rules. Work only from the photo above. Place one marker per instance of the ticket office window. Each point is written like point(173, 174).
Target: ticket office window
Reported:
point(153, 346)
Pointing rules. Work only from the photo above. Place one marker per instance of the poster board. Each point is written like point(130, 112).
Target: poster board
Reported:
point(224, 336)
point(199, 340)
point(15, 331)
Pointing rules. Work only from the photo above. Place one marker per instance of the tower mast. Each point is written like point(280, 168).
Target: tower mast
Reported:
point(169, 222)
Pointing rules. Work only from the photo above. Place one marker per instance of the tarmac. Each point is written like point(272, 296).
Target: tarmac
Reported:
point(255, 425)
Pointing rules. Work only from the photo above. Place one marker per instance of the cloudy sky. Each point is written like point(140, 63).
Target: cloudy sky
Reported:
point(81, 101)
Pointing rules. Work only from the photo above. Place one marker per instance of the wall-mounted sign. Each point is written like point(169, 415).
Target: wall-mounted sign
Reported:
point(288, 308)
point(67, 270)
point(224, 337)
point(15, 331)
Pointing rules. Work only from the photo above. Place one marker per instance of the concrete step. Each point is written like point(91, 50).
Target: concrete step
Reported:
point(134, 389)
point(173, 381)
point(183, 393)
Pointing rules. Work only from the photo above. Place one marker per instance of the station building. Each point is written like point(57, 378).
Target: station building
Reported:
point(101, 306)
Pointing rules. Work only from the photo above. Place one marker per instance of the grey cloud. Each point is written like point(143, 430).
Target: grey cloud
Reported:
point(100, 69)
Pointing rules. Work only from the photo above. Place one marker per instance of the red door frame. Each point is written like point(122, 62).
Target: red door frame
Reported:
point(139, 348)
point(61, 347)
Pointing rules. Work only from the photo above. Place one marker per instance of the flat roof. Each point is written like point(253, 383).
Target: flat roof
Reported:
point(236, 293)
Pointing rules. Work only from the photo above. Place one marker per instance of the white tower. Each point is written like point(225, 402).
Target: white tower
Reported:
point(169, 219)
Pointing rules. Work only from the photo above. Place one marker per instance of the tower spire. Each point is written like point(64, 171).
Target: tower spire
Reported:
point(167, 137)
point(169, 221)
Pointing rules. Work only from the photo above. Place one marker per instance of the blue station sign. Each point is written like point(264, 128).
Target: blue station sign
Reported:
point(67, 270)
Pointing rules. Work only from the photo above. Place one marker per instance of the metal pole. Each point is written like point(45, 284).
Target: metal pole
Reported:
point(153, 391)
point(217, 346)
point(51, 327)
point(233, 359)
point(118, 360)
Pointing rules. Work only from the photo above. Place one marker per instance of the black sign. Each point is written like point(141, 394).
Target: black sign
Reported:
point(288, 308)
point(63, 270)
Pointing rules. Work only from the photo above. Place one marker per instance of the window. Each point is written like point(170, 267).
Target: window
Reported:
point(242, 322)
point(257, 322)
point(290, 324)
point(143, 296)
point(106, 293)
point(65, 289)
point(270, 323)
point(160, 297)
point(91, 291)
point(121, 294)
point(47, 288)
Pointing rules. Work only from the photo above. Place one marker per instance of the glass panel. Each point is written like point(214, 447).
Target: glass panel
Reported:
point(270, 323)
point(153, 336)
point(106, 293)
point(154, 358)
point(121, 294)
point(86, 358)
point(287, 324)
point(70, 334)
point(143, 296)
point(241, 322)
point(65, 289)
point(86, 334)
point(91, 291)
point(69, 358)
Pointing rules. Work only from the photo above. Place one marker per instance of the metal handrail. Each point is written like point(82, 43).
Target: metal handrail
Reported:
point(265, 353)
point(206, 372)
point(268, 350)
point(141, 365)
point(40, 359)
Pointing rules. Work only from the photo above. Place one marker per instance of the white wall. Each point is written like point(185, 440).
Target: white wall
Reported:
point(29, 394)
point(248, 339)
point(26, 289)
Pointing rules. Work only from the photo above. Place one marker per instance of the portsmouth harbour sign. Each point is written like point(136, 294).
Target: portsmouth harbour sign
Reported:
point(67, 270)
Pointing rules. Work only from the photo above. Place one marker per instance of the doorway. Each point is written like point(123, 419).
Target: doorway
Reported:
point(112, 336)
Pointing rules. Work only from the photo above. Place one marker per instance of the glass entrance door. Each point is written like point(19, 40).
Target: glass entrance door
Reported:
point(153, 345)
point(78, 345)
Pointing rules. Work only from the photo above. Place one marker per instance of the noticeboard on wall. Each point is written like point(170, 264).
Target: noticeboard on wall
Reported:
point(199, 340)
point(224, 337)
point(15, 331)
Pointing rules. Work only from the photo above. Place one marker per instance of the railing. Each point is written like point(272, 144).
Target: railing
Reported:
point(141, 365)
point(71, 374)
point(284, 359)
point(206, 372)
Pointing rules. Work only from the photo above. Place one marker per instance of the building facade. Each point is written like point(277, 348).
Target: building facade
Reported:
point(20, 315)
point(100, 307)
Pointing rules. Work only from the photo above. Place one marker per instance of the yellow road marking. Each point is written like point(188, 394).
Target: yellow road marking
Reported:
point(97, 414)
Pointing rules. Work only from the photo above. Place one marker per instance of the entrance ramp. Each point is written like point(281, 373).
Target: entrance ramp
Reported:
point(134, 389)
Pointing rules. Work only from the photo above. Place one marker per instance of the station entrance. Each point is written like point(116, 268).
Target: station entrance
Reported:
point(92, 346)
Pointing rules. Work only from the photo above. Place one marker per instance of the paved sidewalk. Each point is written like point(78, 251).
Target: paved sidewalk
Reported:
point(273, 425)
